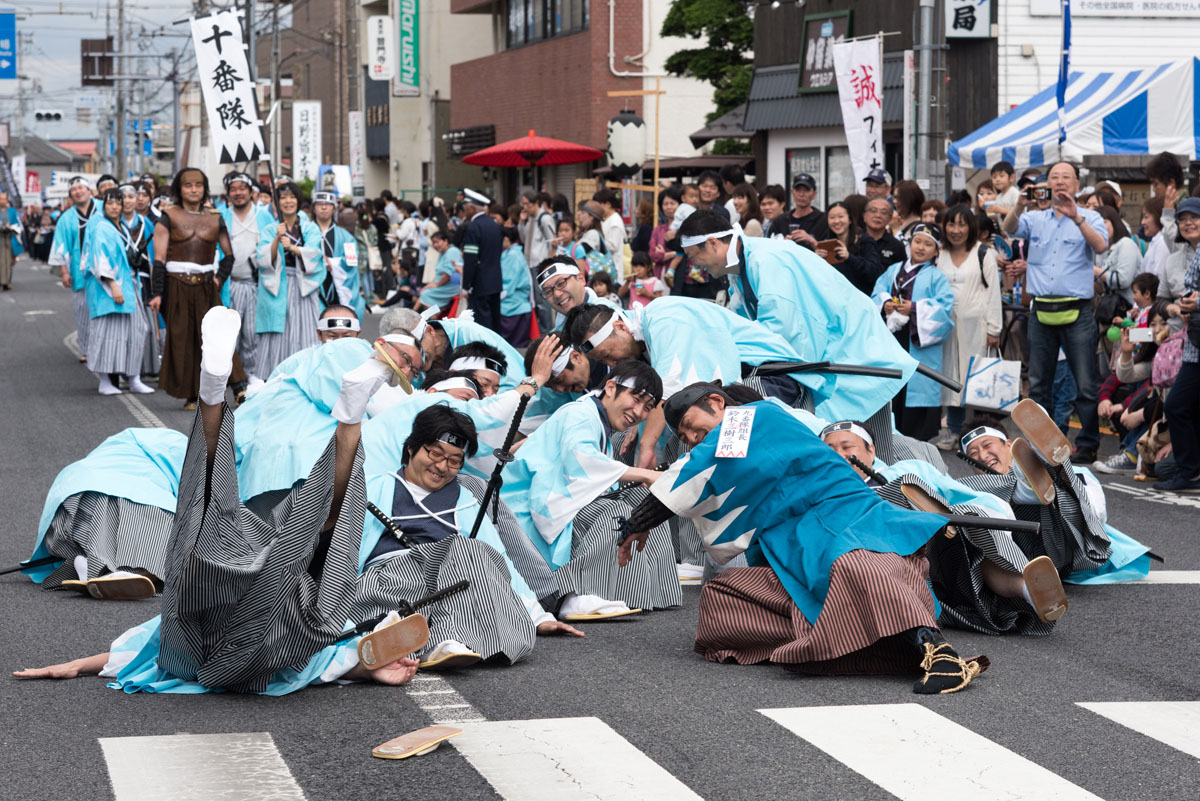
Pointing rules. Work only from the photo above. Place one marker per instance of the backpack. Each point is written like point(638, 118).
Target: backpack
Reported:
point(601, 261)
point(1167, 361)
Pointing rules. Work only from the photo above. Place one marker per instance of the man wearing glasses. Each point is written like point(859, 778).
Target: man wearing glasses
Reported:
point(564, 288)
point(876, 216)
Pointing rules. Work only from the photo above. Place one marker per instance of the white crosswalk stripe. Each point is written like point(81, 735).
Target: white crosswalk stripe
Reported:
point(565, 759)
point(183, 767)
point(901, 747)
point(1175, 723)
point(1164, 577)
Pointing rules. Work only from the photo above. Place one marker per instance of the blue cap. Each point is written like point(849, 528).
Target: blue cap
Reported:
point(878, 176)
point(804, 179)
point(1191, 205)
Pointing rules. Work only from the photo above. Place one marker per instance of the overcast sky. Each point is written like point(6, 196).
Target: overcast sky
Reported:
point(52, 58)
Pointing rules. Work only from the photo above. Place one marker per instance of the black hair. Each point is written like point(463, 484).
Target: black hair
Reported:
point(674, 191)
point(608, 196)
point(292, 189)
point(439, 374)
point(1159, 309)
point(106, 177)
point(696, 396)
point(643, 376)
point(439, 234)
point(988, 419)
point(480, 350)
point(386, 194)
point(715, 177)
point(1165, 168)
point(547, 263)
point(379, 204)
point(1146, 283)
point(561, 206)
point(340, 310)
point(702, 222)
point(177, 185)
point(601, 277)
point(1118, 225)
point(113, 194)
point(510, 233)
point(1002, 166)
point(733, 174)
point(853, 226)
point(435, 421)
point(961, 212)
point(542, 199)
point(583, 321)
point(531, 351)
point(984, 224)
point(776, 191)
point(640, 257)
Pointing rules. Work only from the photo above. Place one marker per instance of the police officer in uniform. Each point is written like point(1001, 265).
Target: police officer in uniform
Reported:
point(481, 247)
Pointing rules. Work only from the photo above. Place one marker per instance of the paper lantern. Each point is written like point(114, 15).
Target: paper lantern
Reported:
point(626, 144)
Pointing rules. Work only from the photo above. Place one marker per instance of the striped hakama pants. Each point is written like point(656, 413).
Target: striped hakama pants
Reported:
point(299, 328)
point(956, 571)
point(116, 342)
point(243, 298)
point(1072, 534)
point(83, 318)
point(113, 533)
point(648, 582)
point(487, 616)
point(152, 353)
point(240, 603)
point(746, 616)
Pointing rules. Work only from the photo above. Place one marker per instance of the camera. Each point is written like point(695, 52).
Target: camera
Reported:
point(1037, 193)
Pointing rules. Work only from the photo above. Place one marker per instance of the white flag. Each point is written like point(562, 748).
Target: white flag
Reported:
point(306, 138)
point(357, 163)
point(228, 87)
point(860, 91)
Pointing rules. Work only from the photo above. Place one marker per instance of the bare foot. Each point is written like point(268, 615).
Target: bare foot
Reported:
point(399, 672)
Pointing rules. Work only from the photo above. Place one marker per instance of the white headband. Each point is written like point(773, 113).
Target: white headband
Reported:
point(692, 241)
point(555, 270)
point(419, 328)
point(561, 362)
point(603, 333)
point(456, 382)
point(400, 339)
point(475, 363)
point(852, 427)
point(333, 323)
point(981, 431)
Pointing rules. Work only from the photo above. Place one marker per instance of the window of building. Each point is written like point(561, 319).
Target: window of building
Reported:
point(531, 21)
point(839, 175)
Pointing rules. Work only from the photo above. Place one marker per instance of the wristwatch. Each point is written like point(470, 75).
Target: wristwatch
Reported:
point(530, 381)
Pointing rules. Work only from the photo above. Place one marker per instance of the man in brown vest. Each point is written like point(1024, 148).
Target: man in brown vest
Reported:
point(187, 281)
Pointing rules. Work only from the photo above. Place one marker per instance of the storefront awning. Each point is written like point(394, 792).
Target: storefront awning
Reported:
point(1118, 113)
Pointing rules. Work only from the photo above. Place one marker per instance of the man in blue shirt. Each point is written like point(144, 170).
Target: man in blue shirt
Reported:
point(1063, 242)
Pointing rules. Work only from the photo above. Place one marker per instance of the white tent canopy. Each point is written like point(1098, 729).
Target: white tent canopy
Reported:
point(1135, 112)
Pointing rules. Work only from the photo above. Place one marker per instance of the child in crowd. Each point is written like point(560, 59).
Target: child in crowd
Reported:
point(1144, 288)
point(644, 287)
point(602, 284)
point(687, 205)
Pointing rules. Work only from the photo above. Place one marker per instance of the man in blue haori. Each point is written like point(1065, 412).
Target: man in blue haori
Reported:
point(66, 252)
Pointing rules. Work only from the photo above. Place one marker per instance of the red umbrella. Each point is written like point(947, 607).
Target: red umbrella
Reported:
point(533, 151)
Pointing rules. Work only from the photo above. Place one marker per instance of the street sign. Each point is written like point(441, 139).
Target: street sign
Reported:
point(381, 44)
point(408, 19)
point(8, 46)
point(90, 101)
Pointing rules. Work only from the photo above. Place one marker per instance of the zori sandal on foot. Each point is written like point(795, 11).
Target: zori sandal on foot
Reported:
point(1045, 589)
point(394, 641)
point(125, 587)
point(449, 656)
point(415, 743)
point(1041, 432)
point(1034, 473)
point(80, 587)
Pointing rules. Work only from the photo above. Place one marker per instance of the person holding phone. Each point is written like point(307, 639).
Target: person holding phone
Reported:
point(1064, 241)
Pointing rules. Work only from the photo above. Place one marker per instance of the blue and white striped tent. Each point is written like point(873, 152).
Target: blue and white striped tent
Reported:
point(1139, 111)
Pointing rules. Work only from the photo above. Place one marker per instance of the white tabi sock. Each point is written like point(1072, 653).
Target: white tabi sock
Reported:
point(218, 336)
point(587, 605)
point(1023, 493)
point(80, 564)
point(358, 386)
point(1025, 594)
point(136, 385)
point(106, 385)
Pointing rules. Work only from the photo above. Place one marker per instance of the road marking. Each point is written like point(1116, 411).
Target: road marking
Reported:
point(1172, 722)
point(182, 767)
point(909, 750)
point(138, 409)
point(564, 759)
point(1168, 577)
point(1155, 496)
point(38, 312)
point(445, 706)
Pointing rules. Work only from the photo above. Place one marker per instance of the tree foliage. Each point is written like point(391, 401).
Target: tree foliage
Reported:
point(725, 62)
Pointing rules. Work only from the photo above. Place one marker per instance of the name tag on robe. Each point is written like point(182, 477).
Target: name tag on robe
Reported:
point(351, 251)
point(733, 442)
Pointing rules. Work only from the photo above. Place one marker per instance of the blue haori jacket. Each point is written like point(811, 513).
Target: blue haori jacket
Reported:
point(516, 297)
point(933, 304)
point(561, 468)
point(271, 312)
point(104, 257)
point(14, 221)
point(791, 503)
point(66, 249)
point(800, 297)
point(284, 426)
point(139, 464)
point(343, 264)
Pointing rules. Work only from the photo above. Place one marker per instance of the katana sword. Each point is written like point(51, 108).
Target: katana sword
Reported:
point(405, 609)
point(866, 468)
point(994, 523)
point(390, 526)
point(977, 464)
point(503, 456)
point(829, 368)
point(45, 560)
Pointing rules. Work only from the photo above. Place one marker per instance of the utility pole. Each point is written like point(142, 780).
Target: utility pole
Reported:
point(251, 38)
point(120, 41)
point(177, 86)
point(22, 38)
point(924, 87)
point(277, 120)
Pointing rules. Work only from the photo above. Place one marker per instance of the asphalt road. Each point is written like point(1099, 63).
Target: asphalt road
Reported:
point(677, 714)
